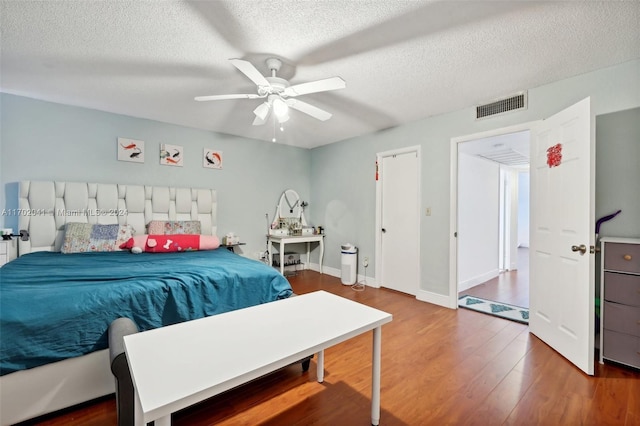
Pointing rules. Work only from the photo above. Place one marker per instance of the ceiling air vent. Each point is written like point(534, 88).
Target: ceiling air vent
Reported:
point(500, 106)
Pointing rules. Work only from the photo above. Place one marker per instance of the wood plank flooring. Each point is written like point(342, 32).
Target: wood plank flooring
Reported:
point(439, 367)
point(510, 287)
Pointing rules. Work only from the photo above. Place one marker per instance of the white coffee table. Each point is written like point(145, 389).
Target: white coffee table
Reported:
point(177, 366)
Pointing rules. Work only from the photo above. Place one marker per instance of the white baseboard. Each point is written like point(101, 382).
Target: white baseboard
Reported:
point(479, 279)
point(334, 272)
point(423, 295)
point(435, 298)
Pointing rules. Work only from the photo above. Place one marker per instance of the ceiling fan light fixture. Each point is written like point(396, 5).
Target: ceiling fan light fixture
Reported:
point(278, 93)
point(262, 110)
point(280, 109)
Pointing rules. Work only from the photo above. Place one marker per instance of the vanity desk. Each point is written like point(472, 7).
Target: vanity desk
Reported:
point(288, 226)
point(282, 240)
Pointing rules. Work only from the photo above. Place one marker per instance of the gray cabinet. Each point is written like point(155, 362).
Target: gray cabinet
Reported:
point(620, 294)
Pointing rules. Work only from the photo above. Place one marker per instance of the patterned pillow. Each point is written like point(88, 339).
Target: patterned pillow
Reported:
point(85, 237)
point(172, 227)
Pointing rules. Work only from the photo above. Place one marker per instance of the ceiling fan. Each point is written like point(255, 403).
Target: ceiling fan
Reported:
point(279, 93)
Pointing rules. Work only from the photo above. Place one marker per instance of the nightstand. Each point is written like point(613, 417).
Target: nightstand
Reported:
point(4, 252)
point(231, 246)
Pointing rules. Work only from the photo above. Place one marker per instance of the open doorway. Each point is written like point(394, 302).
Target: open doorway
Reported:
point(493, 211)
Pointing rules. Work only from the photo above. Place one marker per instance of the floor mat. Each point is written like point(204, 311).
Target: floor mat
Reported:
point(502, 310)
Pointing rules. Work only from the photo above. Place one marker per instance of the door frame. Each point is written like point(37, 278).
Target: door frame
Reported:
point(453, 198)
point(378, 234)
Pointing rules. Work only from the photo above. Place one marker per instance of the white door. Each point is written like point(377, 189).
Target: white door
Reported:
point(399, 224)
point(562, 294)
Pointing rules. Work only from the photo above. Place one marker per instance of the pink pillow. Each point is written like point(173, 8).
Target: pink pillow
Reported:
point(170, 243)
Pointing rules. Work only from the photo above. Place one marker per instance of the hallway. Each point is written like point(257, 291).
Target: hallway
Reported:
point(510, 287)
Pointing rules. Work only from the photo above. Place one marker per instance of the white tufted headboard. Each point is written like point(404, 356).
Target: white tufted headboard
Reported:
point(46, 206)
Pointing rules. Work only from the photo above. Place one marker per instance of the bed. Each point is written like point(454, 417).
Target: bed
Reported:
point(56, 307)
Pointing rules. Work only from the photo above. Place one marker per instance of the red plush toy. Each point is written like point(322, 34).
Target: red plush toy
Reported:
point(169, 243)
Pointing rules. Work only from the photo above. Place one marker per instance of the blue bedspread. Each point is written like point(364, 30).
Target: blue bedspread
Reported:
point(55, 306)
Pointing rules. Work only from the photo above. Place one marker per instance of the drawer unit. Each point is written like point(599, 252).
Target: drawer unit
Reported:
point(622, 257)
point(622, 318)
point(4, 252)
point(622, 348)
point(620, 290)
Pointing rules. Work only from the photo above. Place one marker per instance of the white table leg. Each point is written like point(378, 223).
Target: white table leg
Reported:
point(138, 418)
point(321, 252)
point(281, 257)
point(308, 253)
point(270, 248)
point(163, 421)
point(320, 366)
point(375, 376)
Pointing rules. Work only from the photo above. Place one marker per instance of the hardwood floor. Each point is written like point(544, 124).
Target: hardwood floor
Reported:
point(439, 367)
point(509, 287)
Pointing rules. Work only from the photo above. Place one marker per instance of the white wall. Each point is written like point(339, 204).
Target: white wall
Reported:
point(478, 220)
point(523, 209)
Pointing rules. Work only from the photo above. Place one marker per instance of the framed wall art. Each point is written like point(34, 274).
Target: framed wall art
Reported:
point(171, 155)
point(130, 150)
point(212, 159)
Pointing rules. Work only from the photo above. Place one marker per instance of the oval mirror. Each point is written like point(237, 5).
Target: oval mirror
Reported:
point(290, 204)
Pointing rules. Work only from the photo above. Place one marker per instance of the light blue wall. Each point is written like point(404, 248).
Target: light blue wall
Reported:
point(41, 140)
point(48, 141)
point(618, 172)
point(342, 174)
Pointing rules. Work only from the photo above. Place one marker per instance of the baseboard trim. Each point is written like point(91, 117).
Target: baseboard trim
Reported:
point(435, 298)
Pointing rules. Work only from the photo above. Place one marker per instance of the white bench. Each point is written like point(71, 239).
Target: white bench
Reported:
point(177, 366)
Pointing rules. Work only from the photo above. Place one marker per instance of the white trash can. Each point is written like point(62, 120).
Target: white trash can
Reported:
point(349, 264)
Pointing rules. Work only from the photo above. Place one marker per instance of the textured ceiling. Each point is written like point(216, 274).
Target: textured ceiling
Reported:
point(401, 60)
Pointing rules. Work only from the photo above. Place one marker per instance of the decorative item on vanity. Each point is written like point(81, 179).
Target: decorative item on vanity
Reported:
point(289, 216)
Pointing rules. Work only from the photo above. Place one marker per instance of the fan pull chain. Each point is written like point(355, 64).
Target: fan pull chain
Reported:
point(273, 116)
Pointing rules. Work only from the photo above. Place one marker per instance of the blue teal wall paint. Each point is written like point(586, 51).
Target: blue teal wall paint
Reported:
point(47, 141)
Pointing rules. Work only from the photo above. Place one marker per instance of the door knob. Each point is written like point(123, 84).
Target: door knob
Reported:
point(581, 248)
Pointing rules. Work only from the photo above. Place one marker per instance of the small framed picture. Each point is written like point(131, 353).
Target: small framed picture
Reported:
point(212, 159)
point(171, 155)
point(130, 150)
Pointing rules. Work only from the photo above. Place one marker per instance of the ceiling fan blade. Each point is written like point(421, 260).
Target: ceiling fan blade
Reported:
point(250, 71)
point(332, 83)
point(222, 97)
point(262, 110)
point(309, 109)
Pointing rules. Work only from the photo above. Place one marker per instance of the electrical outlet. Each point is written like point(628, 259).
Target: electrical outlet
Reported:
point(365, 262)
